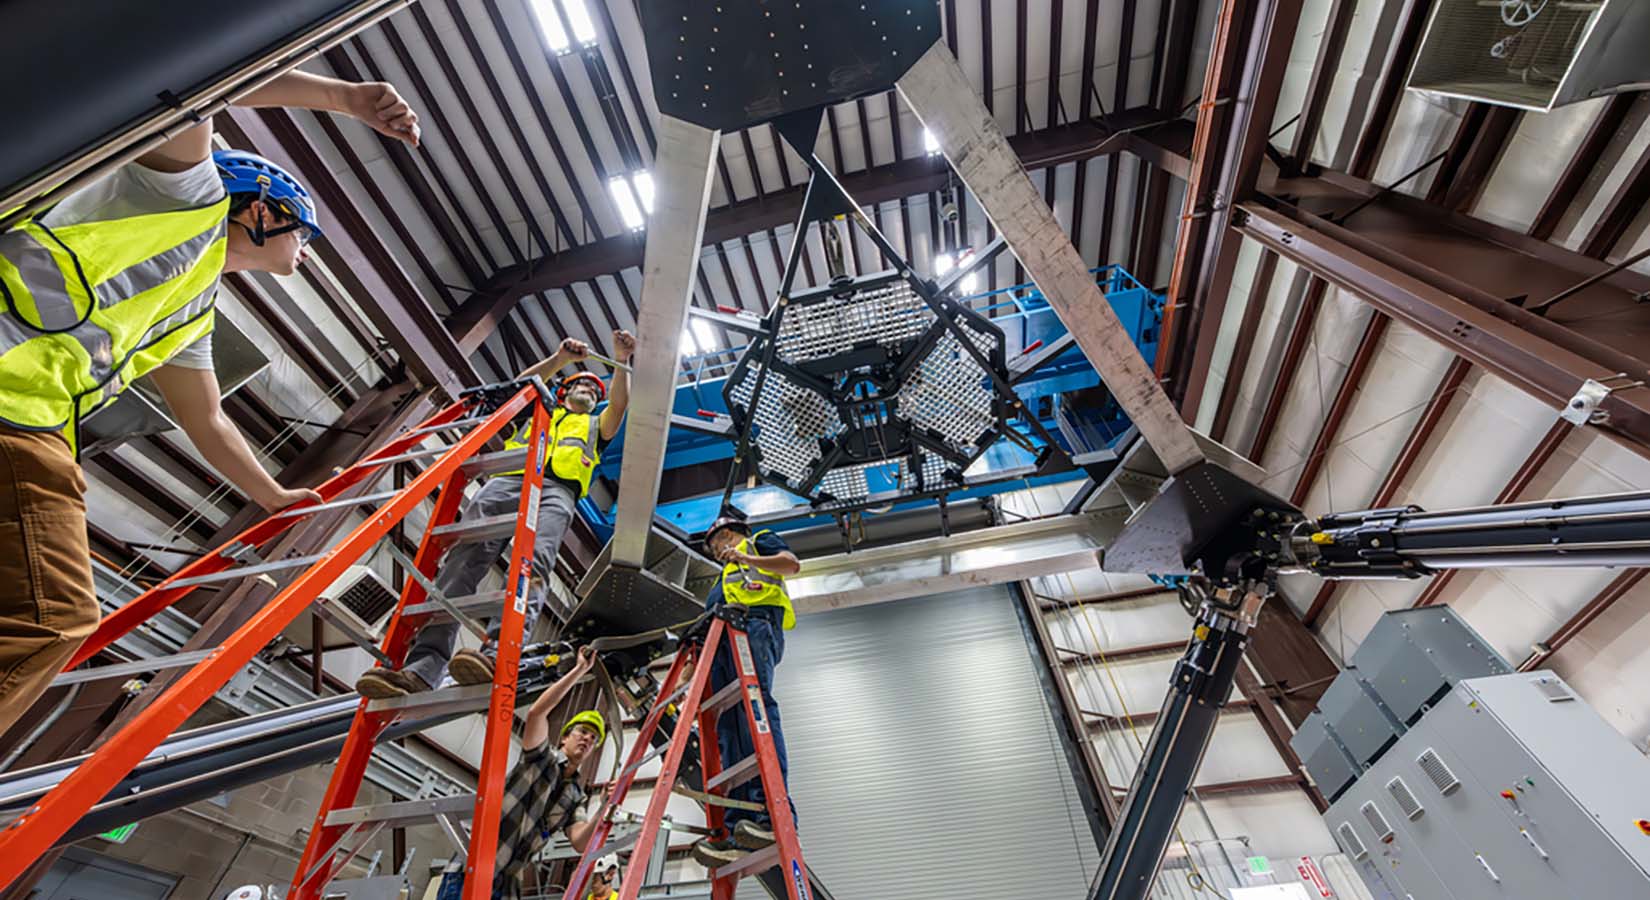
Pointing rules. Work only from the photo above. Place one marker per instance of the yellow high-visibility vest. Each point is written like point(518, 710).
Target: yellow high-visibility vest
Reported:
point(572, 453)
point(756, 587)
point(87, 308)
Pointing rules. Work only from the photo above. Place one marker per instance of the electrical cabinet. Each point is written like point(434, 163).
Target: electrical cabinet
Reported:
point(1509, 787)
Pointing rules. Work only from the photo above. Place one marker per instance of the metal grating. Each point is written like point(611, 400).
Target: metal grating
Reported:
point(950, 394)
point(1437, 771)
point(1405, 798)
point(790, 420)
point(1350, 842)
point(1377, 821)
point(887, 316)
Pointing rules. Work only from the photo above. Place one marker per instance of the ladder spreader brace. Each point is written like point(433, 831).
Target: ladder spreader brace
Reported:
point(485, 412)
point(697, 712)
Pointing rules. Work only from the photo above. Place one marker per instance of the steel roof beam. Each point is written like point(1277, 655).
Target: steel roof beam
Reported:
point(907, 178)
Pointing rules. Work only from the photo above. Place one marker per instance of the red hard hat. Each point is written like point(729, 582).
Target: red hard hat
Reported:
point(567, 383)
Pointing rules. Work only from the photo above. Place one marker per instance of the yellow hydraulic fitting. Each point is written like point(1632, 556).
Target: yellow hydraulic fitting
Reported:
point(1322, 538)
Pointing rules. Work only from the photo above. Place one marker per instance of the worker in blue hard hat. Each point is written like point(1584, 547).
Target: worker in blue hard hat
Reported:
point(754, 569)
point(116, 281)
point(579, 435)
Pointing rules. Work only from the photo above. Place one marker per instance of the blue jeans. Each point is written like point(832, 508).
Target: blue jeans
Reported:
point(733, 734)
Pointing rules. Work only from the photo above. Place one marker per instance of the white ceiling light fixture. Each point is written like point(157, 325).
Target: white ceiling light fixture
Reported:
point(698, 337)
point(929, 145)
point(553, 30)
point(633, 195)
point(945, 262)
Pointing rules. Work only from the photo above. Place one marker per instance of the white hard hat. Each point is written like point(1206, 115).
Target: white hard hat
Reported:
point(608, 863)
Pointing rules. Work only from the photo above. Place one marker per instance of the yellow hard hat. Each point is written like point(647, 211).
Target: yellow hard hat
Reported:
point(588, 717)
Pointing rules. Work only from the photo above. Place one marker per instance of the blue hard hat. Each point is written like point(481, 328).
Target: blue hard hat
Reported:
point(249, 173)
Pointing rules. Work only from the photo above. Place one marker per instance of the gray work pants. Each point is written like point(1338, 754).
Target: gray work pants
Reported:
point(464, 566)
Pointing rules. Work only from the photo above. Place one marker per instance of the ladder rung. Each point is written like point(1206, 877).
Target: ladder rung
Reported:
point(409, 456)
point(494, 463)
point(404, 812)
point(456, 423)
point(463, 698)
point(724, 698)
point(248, 571)
point(736, 774)
point(685, 890)
point(486, 601)
point(750, 864)
point(481, 529)
point(362, 500)
point(135, 667)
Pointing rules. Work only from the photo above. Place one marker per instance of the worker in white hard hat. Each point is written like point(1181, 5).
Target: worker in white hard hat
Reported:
point(604, 879)
point(754, 568)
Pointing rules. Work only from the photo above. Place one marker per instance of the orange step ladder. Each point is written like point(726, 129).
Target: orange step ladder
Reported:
point(695, 712)
point(481, 414)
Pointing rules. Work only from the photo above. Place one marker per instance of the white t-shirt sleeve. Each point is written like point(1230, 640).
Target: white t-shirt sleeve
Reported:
point(136, 190)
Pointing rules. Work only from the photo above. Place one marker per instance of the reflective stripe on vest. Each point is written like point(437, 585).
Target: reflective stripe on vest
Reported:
point(572, 443)
point(756, 587)
point(87, 308)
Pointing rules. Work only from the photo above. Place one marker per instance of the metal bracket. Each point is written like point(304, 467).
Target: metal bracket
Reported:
point(1583, 408)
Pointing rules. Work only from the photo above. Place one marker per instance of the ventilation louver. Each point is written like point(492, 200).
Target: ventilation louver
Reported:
point(1350, 842)
point(361, 591)
point(1433, 765)
point(1377, 821)
point(1554, 690)
point(1407, 803)
point(1533, 54)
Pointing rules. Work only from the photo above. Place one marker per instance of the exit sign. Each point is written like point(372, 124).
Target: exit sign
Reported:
point(119, 835)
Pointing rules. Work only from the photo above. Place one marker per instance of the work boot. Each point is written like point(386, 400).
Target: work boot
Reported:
point(382, 684)
point(712, 854)
point(470, 667)
point(752, 836)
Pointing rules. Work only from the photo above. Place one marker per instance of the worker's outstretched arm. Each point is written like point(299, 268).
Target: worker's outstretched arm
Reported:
point(572, 350)
point(782, 563)
point(537, 728)
point(618, 394)
point(193, 396)
point(376, 103)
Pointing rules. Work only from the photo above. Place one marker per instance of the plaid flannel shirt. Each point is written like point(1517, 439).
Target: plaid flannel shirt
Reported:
point(538, 802)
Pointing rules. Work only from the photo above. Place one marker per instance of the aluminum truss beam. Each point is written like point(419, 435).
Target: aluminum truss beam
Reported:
point(939, 92)
point(683, 170)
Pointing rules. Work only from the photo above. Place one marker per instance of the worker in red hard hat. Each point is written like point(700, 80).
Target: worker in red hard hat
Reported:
point(754, 568)
point(579, 434)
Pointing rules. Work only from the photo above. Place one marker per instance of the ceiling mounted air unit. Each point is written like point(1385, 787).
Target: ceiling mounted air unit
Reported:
point(1534, 54)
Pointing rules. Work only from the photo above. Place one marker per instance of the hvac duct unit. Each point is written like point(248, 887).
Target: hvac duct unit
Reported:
point(1534, 54)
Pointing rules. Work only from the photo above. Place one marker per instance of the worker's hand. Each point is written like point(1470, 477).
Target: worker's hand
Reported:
point(732, 555)
point(585, 660)
point(574, 349)
point(624, 345)
point(382, 107)
point(286, 497)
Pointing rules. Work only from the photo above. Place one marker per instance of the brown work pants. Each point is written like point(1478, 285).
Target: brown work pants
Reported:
point(47, 603)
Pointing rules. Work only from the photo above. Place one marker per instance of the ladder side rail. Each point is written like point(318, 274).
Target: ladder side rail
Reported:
point(767, 762)
point(621, 789)
point(33, 833)
point(149, 603)
point(666, 782)
point(366, 727)
point(495, 753)
point(710, 760)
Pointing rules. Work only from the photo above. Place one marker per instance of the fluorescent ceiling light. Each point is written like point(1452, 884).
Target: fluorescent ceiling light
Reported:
point(929, 145)
point(945, 262)
point(633, 195)
point(698, 337)
point(550, 23)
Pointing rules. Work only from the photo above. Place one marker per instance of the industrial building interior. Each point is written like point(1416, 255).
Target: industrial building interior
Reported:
point(1381, 255)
